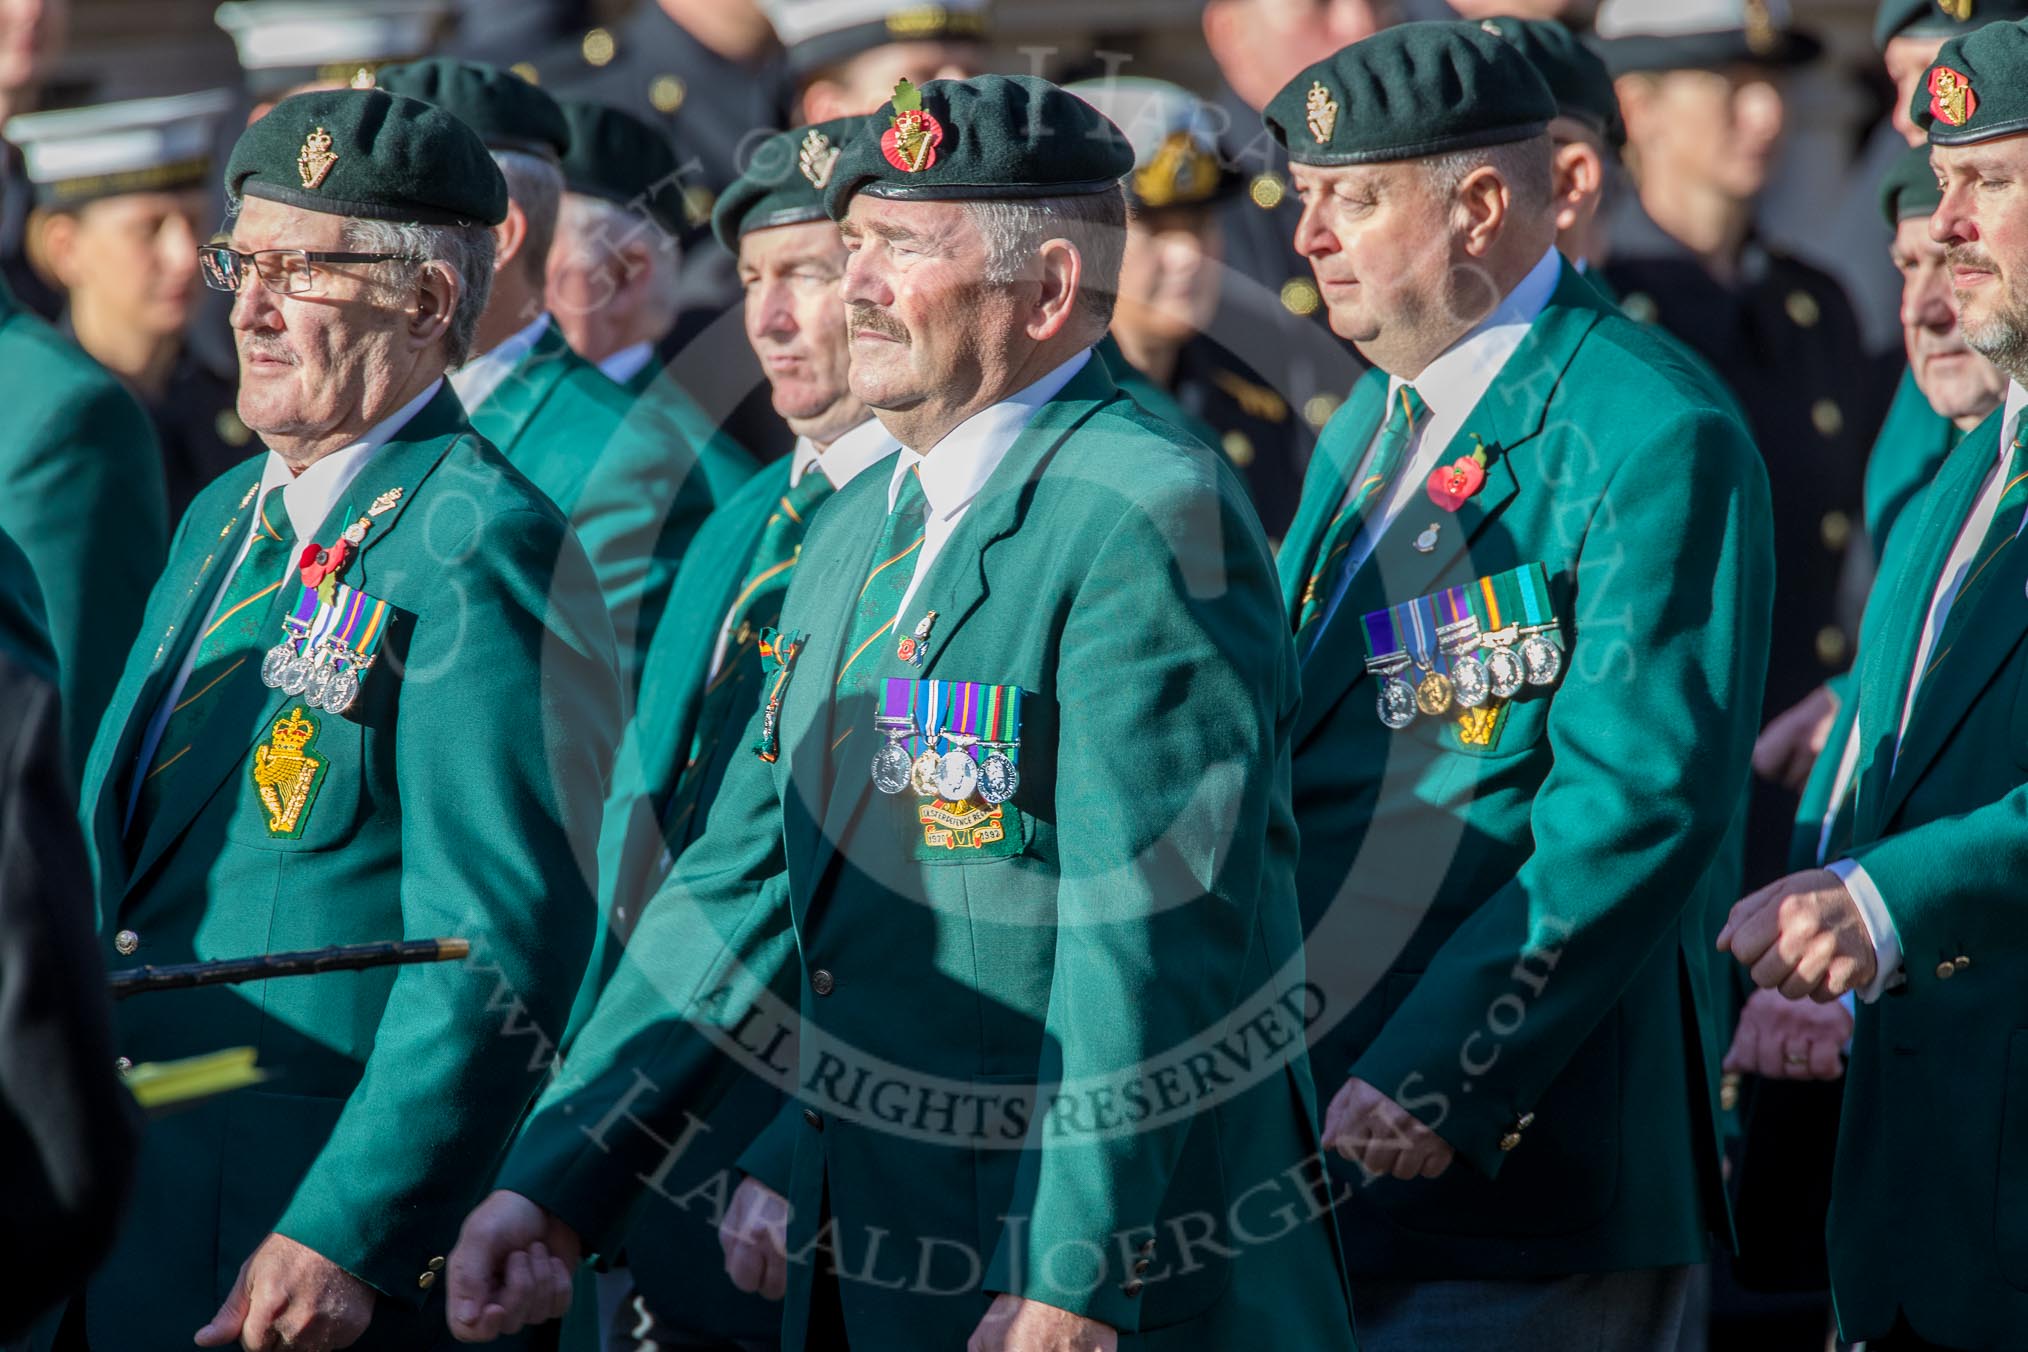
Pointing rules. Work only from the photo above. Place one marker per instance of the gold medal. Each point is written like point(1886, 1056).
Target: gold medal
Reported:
point(922, 776)
point(1434, 693)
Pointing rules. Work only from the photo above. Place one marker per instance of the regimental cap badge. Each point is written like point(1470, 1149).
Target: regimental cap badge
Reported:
point(817, 158)
point(362, 78)
point(1181, 170)
point(1951, 100)
point(910, 142)
point(385, 502)
point(1761, 35)
point(1322, 111)
point(1961, 10)
point(315, 159)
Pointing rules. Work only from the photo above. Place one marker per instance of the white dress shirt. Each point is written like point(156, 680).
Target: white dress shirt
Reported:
point(1964, 555)
point(956, 468)
point(308, 497)
point(1450, 387)
point(625, 364)
point(863, 447)
point(476, 380)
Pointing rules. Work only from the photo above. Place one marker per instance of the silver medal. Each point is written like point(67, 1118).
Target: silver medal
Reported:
point(1397, 703)
point(343, 690)
point(1471, 685)
point(957, 776)
point(1541, 659)
point(998, 779)
point(317, 686)
point(1504, 671)
point(295, 674)
point(272, 665)
point(890, 768)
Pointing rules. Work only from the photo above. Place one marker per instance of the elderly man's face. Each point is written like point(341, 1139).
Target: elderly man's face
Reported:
point(795, 317)
point(310, 364)
point(923, 323)
point(1379, 239)
point(1957, 381)
point(1983, 224)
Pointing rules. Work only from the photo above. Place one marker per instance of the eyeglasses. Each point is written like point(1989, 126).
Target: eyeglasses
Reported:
point(288, 272)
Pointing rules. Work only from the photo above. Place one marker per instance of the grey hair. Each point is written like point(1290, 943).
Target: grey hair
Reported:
point(536, 186)
point(1094, 223)
point(1526, 167)
point(466, 249)
point(598, 222)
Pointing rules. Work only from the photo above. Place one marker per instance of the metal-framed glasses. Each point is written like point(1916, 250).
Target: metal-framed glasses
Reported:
point(286, 272)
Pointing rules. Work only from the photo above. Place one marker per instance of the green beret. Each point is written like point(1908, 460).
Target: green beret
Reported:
point(1574, 73)
point(368, 153)
point(1977, 88)
point(992, 137)
point(1910, 188)
point(785, 180)
point(1410, 91)
point(1659, 35)
point(1940, 18)
point(508, 112)
point(625, 159)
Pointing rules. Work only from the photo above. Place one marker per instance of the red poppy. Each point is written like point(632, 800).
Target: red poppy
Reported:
point(1450, 486)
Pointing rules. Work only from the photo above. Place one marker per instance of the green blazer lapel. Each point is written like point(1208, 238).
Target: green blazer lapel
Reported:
point(505, 413)
point(1339, 449)
point(1883, 683)
point(958, 579)
point(1506, 420)
point(233, 726)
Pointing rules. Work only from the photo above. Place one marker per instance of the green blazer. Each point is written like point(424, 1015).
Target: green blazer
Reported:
point(81, 494)
point(1142, 895)
point(1937, 1080)
point(1906, 455)
point(1512, 940)
point(724, 462)
point(458, 798)
point(630, 481)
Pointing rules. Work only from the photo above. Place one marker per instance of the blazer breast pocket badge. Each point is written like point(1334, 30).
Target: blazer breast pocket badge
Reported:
point(287, 773)
point(956, 747)
point(331, 638)
point(1461, 655)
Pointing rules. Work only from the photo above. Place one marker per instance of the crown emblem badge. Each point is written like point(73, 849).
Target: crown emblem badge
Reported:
point(315, 159)
point(1321, 111)
point(817, 159)
point(285, 775)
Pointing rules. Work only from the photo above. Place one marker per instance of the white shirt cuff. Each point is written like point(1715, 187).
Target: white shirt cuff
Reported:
point(1879, 925)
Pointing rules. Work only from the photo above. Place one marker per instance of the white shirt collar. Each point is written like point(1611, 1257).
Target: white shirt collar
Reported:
point(625, 364)
point(476, 380)
point(310, 496)
point(864, 446)
point(2017, 400)
point(971, 451)
point(1452, 385)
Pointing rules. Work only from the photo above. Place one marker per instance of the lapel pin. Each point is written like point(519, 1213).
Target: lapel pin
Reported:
point(385, 502)
point(1426, 542)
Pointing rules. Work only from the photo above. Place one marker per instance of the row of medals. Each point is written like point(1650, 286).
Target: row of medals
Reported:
point(327, 677)
point(1483, 667)
point(952, 775)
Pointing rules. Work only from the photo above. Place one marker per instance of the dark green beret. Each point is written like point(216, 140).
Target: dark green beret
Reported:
point(1413, 90)
point(625, 159)
point(1977, 88)
point(1910, 188)
point(1940, 18)
point(508, 112)
point(372, 154)
point(785, 180)
point(1574, 73)
point(1660, 35)
point(992, 137)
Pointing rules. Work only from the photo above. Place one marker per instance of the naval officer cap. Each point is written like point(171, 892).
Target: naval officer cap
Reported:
point(784, 182)
point(623, 159)
point(1910, 187)
point(1977, 88)
point(1659, 35)
point(371, 154)
point(1940, 18)
point(1574, 73)
point(1175, 141)
point(1411, 91)
point(992, 137)
point(508, 112)
point(286, 43)
point(77, 155)
point(819, 33)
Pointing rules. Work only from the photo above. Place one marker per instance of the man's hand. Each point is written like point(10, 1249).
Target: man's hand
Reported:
point(512, 1267)
point(1783, 1039)
point(1788, 747)
point(755, 1237)
point(290, 1296)
point(1803, 936)
point(1380, 1136)
point(1015, 1324)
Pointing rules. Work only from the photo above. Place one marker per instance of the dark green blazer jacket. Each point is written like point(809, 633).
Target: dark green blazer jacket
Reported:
point(1513, 941)
point(1134, 950)
point(81, 494)
point(458, 798)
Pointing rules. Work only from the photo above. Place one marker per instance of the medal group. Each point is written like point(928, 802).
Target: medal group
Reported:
point(1464, 651)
